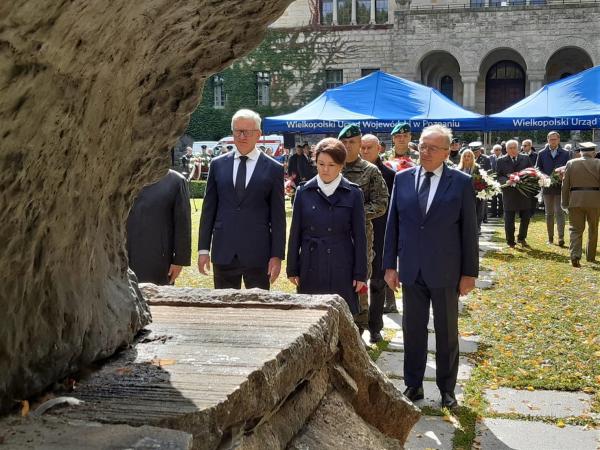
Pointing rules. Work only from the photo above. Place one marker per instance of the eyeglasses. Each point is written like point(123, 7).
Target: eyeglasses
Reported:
point(240, 133)
point(430, 148)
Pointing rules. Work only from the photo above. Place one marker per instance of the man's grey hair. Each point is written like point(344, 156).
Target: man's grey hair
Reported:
point(438, 129)
point(246, 114)
point(512, 142)
point(552, 133)
point(527, 141)
point(370, 137)
point(496, 147)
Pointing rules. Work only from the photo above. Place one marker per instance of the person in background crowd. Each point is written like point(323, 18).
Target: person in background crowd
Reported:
point(377, 287)
point(549, 158)
point(581, 195)
point(187, 162)
point(327, 248)
point(454, 151)
point(496, 202)
point(468, 165)
point(527, 150)
point(572, 152)
point(431, 249)
point(159, 236)
point(481, 158)
point(299, 166)
point(372, 185)
point(514, 201)
point(242, 227)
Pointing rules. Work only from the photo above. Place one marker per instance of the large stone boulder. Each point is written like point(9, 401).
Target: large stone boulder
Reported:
point(93, 94)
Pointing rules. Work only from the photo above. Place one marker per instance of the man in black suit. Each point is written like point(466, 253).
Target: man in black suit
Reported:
point(243, 214)
point(378, 289)
point(527, 150)
point(513, 200)
point(431, 248)
point(159, 230)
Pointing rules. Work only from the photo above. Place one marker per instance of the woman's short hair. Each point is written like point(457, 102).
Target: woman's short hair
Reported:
point(332, 147)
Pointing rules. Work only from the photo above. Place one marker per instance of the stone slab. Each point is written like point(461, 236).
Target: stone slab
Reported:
point(392, 364)
point(431, 432)
point(539, 403)
point(55, 434)
point(485, 280)
point(505, 434)
point(394, 321)
point(432, 393)
point(467, 344)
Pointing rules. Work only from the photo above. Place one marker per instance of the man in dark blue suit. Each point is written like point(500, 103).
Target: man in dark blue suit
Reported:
point(431, 249)
point(243, 213)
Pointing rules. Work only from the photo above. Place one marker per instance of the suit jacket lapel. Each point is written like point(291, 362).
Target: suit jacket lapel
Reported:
point(414, 197)
point(443, 185)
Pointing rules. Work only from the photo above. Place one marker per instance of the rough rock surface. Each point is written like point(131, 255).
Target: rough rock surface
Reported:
point(247, 374)
point(92, 97)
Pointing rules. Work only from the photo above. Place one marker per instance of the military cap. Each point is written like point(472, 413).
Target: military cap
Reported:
point(401, 127)
point(587, 147)
point(475, 145)
point(349, 131)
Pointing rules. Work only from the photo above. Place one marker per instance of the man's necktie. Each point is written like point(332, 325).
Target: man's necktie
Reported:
point(240, 178)
point(424, 192)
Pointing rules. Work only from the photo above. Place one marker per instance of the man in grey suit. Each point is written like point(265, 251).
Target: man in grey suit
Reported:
point(242, 228)
point(581, 195)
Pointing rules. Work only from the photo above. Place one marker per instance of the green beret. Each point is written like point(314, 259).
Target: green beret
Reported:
point(401, 127)
point(349, 131)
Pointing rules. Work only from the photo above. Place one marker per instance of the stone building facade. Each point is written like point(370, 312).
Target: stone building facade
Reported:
point(484, 54)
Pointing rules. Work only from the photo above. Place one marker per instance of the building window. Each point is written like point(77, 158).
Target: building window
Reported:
point(447, 86)
point(218, 91)
point(381, 11)
point(517, 2)
point(326, 12)
point(365, 72)
point(263, 88)
point(333, 78)
point(344, 12)
point(478, 3)
point(363, 11)
point(537, 2)
point(498, 2)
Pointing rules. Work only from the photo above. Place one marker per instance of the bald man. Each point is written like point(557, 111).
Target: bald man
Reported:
point(369, 150)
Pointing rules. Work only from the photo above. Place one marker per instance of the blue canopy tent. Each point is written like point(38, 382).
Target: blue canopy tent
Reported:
point(377, 103)
point(572, 103)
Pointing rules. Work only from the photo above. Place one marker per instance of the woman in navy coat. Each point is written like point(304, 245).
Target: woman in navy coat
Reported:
point(327, 248)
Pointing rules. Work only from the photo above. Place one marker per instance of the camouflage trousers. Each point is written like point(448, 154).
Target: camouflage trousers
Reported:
point(362, 318)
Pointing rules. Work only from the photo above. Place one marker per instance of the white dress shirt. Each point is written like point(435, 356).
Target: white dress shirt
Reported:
point(250, 163)
point(434, 181)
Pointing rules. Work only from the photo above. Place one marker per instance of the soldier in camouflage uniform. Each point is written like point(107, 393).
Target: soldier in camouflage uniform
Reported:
point(368, 177)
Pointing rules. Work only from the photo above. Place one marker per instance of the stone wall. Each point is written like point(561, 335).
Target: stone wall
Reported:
point(472, 39)
point(94, 95)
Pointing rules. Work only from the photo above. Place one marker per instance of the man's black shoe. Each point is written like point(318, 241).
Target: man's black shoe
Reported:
point(390, 310)
point(524, 243)
point(512, 244)
point(561, 243)
point(414, 393)
point(375, 337)
point(575, 263)
point(449, 400)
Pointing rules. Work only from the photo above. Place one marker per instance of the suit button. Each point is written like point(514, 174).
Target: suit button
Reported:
point(329, 229)
point(422, 227)
point(314, 207)
point(328, 250)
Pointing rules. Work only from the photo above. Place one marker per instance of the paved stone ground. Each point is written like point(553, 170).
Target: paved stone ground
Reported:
point(433, 432)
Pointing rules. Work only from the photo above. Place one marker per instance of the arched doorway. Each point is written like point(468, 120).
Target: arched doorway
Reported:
point(567, 61)
point(504, 86)
point(440, 70)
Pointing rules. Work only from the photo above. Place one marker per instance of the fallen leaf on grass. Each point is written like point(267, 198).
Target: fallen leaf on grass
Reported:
point(24, 408)
point(163, 362)
point(530, 388)
point(560, 424)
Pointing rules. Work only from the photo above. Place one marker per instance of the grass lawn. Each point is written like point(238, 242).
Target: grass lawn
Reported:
point(539, 324)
